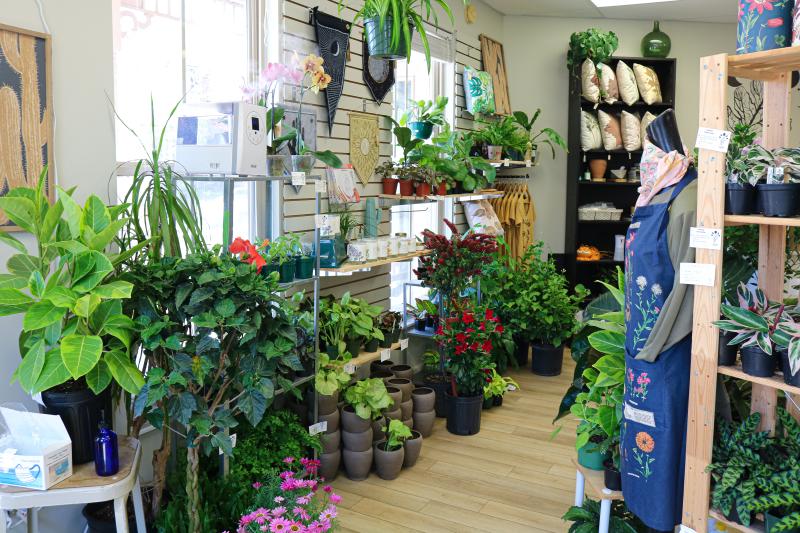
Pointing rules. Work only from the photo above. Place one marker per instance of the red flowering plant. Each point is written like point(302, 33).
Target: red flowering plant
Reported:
point(467, 339)
point(454, 261)
point(293, 501)
point(247, 252)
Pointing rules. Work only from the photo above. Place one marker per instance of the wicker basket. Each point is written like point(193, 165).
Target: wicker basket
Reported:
point(587, 213)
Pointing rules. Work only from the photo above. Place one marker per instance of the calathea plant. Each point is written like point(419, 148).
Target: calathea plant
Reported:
point(754, 320)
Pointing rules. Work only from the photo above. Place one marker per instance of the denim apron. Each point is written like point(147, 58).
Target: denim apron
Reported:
point(653, 439)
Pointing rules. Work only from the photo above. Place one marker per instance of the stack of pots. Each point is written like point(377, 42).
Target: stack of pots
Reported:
point(406, 406)
point(330, 458)
point(357, 444)
point(424, 414)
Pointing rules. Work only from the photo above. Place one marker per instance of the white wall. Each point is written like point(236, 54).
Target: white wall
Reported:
point(84, 144)
point(535, 50)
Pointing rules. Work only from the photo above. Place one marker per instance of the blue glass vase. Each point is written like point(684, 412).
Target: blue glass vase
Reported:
point(764, 25)
point(106, 452)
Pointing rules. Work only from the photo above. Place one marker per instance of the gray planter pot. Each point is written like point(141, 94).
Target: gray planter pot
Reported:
point(388, 463)
point(412, 447)
point(357, 442)
point(402, 371)
point(377, 429)
point(352, 422)
point(404, 385)
point(357, 464)
point(329, 465)
point(423, 422)
point(424, 399)
point(396, 395)
point(331, 442)
point(327, 404)
point(394, 414)
point(409, 422)
point(406, 408)
point(333, 421)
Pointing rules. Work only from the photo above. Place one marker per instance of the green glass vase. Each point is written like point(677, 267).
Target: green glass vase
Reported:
point(656, 43)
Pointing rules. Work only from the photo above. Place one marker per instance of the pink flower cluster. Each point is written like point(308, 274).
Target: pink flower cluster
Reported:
point(643, 379)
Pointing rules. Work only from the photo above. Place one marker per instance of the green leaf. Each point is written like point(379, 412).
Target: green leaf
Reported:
point(226, 308)
point(608, 342)
point(81, 353)
point(13, 301)
point(745, 318)
point(101, 267)
point(60, 296)
point(124, 371)
point(22, 265)
point(95, 215)
point(99, 377)
point(31, 366)
point(54, 372)
point(74, 247)
point(10, 281)
point(104, 238)
point(106, 312)
point(12, 241)
point(72, 212)
point(42, 314)
point(85, 305)
point(36, 284)
point(21, 211)
point(115, 290)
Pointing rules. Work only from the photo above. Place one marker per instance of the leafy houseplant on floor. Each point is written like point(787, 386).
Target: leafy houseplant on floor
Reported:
point(547, 136)
point(424, 115)
point(365, 400)
point(740, 191)
point(390, 453)
point(75, 339)
point(586, 518)
point(495, 389)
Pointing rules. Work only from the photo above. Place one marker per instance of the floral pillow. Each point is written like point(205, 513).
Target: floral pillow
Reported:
point(590, 86)
point(647, 80)
point(590, 132)
point(479, 91)
point(608, 84)
point(609, 127)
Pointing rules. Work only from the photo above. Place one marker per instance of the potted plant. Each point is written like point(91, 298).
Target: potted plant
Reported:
point(786, 337)
point(390, 453)
point(496, 388)
point(388, 323)
point(593, 44)
point(281, 134)
point(388, 174)
point(588, 517)
point(280, 253)
point(75, 339)
point(304, 261)
point(467, 171)
point(499, 135)
point(548, 136)
point(329, 380)
point(740, 192)
point(776, 196)
point(361, 323)
point(365, 400)
point(424, 115)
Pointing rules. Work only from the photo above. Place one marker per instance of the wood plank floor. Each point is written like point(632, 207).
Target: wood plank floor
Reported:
point(509, 477)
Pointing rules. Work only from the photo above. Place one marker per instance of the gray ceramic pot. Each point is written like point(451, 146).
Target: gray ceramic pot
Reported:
point(381, 365)
point(331, 442)
point(404, 385)
point(327, 404)
point(394, 414)
point(381, 373)
point(357, 464)
point(409, 422)
point(406, 407)
point(388, 463)
point(423, 422)
point(333, 421)
point(424, 399)
point(402, 371)
point(352, 422)
point(396, 395)
point(329, 465)
point(412, 448)
point(357, 442)
point(377, 429)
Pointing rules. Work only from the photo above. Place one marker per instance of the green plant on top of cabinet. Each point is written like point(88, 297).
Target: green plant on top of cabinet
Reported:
point(593, 44)
point(547, 136)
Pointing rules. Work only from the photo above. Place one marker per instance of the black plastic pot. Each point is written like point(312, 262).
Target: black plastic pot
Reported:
point(740, 198)
point(464, 414)
point(756, 362)
point(379, 39)
point(547, 360)
point(779, 199)
point(488, 403)
point(786, 367)
point(371, 346)
point(522, 347)
point(354, 346)
point(611, 476)
point(440, 384)
point(726, 353)
point(387, 339)
point(429, 321)
point(81, 411)
point(498, 401)
point(421, 324)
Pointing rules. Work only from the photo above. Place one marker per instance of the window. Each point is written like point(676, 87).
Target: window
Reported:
point(414, 82)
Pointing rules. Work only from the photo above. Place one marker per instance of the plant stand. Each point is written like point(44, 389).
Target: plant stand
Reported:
point(596, 485)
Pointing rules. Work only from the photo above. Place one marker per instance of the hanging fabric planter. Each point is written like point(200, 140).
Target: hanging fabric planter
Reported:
point(333, 38)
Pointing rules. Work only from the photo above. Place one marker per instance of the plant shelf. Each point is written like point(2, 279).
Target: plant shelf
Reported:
point(757, 527)
point(595, 484)
point(297, 282)
point(610, 183)
point(465, 197)
point(348, 268)
point(600, 262)
point(775, 382)
point(767, 65)
point(368, 357)
point(741, 220)
point(626, 221)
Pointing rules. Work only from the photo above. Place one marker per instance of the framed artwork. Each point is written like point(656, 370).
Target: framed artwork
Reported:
point(494, 62)
point(26, 108)
point(478, 91)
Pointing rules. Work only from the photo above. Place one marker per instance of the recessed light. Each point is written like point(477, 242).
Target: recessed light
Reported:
point(618, 3)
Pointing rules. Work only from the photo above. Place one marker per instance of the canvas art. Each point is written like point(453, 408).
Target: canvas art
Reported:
point(478, 91)
point(26, 133)
point(494, 62)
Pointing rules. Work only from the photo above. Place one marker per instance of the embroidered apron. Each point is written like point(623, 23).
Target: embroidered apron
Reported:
point(653, 439)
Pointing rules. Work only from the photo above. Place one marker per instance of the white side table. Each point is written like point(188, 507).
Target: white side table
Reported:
point(591, 481)
point(85, 486)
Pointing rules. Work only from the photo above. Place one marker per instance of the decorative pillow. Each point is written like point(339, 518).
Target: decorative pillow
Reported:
point(590, 87)
point(590, 132)
point(646, 120)
point(631, 132)
point(479, 91)
point(626, 81)
point(647, 80)
point(609, 127)
point(608, 84)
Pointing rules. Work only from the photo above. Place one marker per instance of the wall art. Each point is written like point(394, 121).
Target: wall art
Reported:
point(364, 145)
point(333, 38)
point(378, 74)
point(494, 62)
point(478, 91)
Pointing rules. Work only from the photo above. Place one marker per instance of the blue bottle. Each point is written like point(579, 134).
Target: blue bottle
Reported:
point(106, 451)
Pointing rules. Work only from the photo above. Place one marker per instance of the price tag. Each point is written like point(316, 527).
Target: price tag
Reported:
point(403, 344)
point(298, 179)
point(698, 274)
point(713, 139)
point(386, 354)
point(350, 368)
point(321, 186)
point(511, 388)
point(319, 427)
point(528, 163)
point(706, 238)
point(328, 224)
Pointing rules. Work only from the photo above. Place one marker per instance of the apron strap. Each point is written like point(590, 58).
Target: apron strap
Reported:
point(690, 176)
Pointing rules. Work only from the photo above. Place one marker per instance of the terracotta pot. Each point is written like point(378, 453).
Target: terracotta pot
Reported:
point(404, 385)
point(597, 168)
point(412, 448)
point(395, 395)
point(390, 185)
point(441, 189)
point(329, 465)
point(352, 422)
point(406, 408)
point(357, 442)
point(357, 464)
point(423, 189)
point(394, 414)
point(333, 421)
point(327, 404)
point(406, 188)
point(402, 371)
point(331, 442)
point(409, 422)
point(423, 422)
point(388, 463)
point(424, 399)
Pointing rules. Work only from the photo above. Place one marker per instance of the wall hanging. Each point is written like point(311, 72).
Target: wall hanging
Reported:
point(764, 25)
point(333, 38)
point(494, 62)
point(364, 145)
point(478, 91)
point(378, 74)
point(26, 104)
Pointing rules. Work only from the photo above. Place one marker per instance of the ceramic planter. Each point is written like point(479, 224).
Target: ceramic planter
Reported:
point(406, 408)
point(756, 362)
point(303, 163)
point(727, 353)
point(396, 395)
point(390, 185)
point(547, 359)
point(740, 199)
point(276, 165)
point(326, 404)
point(421, 130)
point(371, 346)
point(464, 414)
point(331, 442)
point(423, 189)
point(388, 463)
point(423, 422)
point(379, 39)
point(357, 464)
point(332, 419)
point(779, 199)
point(304, 268)
point(412, 447)
point(409, 422)
point(424, 399)
point(593, 460)
point(329, 465)
point(611, 476)
point(357, 442)
point(406, 188)
point(352, 422)
point(381, 365)
point(385, 375)
point(494, 153)
point(394, 414)
point(404, 385)
point(597, 169)
point(788, 378)
point(286, 271)
point(402, 371)
point(377, 429)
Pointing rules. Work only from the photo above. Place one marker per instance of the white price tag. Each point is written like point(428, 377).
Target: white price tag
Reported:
point(319, 427)
point(350, 368)
point(321, 186)
point(298, 179)
point(706, 238)
point(528, 163)
point(698, 274)
point(386, 354)
point(403, 344)
point(328, 224)
point(713, 139)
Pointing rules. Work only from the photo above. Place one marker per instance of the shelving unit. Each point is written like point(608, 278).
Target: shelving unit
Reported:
point(349, 268)
point(774, 67)
point(368, 357)
point(463, 197)
point(758, 527)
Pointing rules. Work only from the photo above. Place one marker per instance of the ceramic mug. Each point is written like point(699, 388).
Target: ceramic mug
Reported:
point(356, 252)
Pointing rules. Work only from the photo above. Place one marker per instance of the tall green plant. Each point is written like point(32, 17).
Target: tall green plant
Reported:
point(548, 136)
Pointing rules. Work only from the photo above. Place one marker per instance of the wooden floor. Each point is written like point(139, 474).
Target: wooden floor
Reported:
point(509, 477)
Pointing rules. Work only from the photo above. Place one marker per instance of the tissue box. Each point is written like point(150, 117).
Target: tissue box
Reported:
point(35, 452)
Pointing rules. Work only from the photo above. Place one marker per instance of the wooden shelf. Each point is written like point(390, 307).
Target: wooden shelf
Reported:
point(368, 357)
point(463, 197)
point(595, 485)
point(619, 103)
point(767, 65)
point(603, 151)
point(775, 382)
point(757, 527)
point(620, 221)
point(354, 267)
point(740, 220)
point(610, 183)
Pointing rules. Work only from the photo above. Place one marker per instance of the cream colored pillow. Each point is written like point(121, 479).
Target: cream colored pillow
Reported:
point(626, 80)
point(647, 80)
point(590, 132)
point(646, 120)
point(609, 127)
point(631, 132)
point(608, 84)
point(590, 87)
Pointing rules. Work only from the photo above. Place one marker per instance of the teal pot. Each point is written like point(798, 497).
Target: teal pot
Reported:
point(303, 163)
point(763, 29)
point(379, 40)
point(464, 414)
point(593, 460)
point(304, 267)
point(421, 130)
point(81, 410)
point(354, 346)
point(770, 521)
point(286, 271)
point(656, 43)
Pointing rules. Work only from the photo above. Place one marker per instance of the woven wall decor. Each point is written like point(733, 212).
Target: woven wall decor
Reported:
point(494, 62)
point(364, 145)
point(333, 38)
